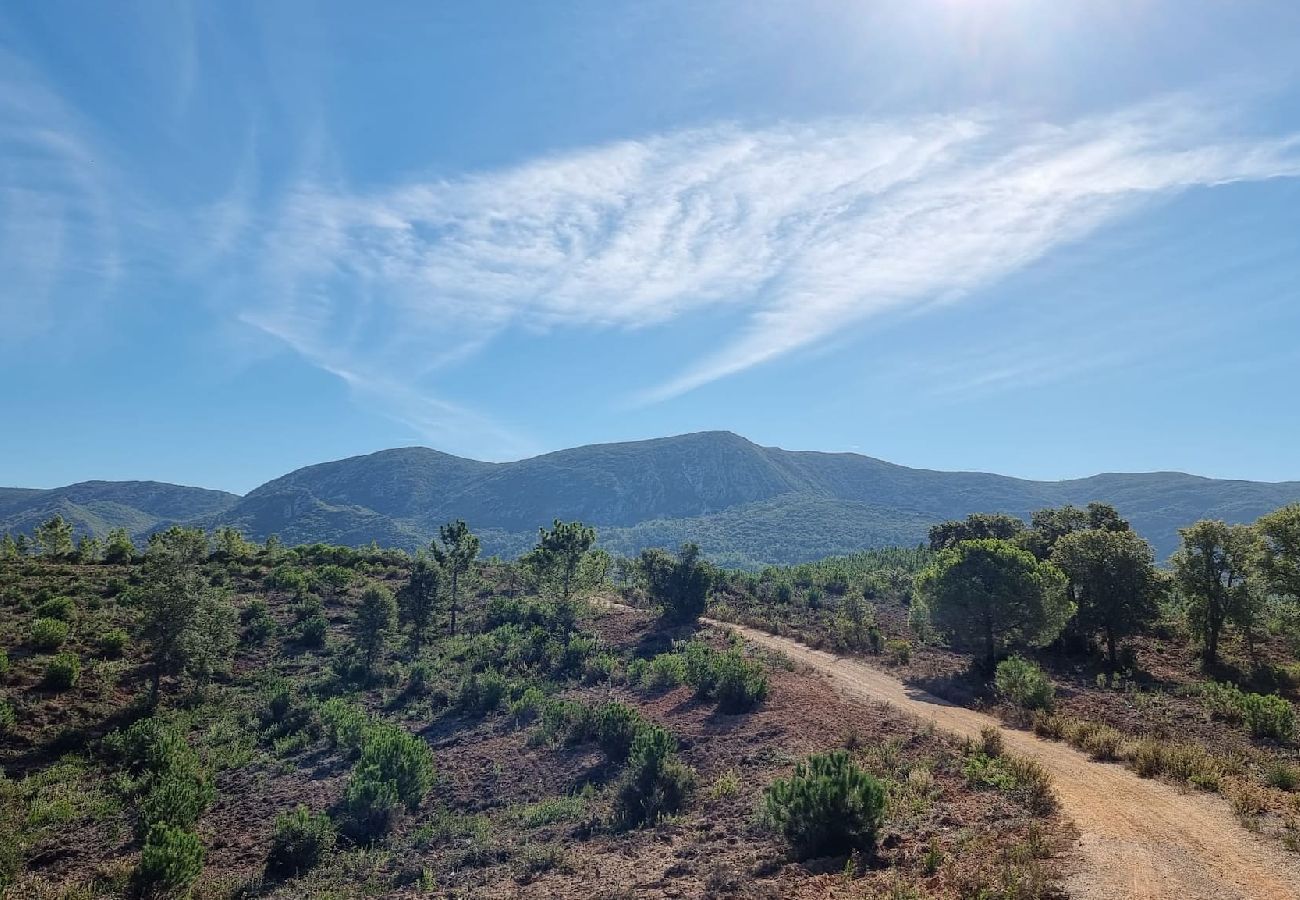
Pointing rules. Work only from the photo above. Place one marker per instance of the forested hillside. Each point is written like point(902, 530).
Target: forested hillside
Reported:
point(744, 504)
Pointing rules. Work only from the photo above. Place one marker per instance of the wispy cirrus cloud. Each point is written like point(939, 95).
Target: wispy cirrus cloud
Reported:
point(804, 229)
point(58, 230)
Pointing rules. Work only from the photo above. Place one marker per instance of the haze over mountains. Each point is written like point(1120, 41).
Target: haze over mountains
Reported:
point(744, 504)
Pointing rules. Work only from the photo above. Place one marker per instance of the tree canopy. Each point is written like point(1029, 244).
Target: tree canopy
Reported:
point(989, 596)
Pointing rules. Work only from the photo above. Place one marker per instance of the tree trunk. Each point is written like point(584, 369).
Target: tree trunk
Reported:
point(453, 602)
point(1110, 649)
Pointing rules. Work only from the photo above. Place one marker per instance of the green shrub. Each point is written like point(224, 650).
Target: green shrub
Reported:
point(346, 724)
point(1022, 683)
point(8, 719)
point(667, 670)
point(311, 630)
point(112, 642)
point(369, 805)
point(1268, 715)
point(900, 651)
point(48, 635)
point(171, 860)
point(257, 622)
point(394, 755)
point(738, 684)
point(529, 705)
point(655, 783)
point(62, 608)
point(63, 671)
point(482, 692)
point(4, 663)
point(615, 727)
point(828, 807)
point(176, 798)
point(300, 840)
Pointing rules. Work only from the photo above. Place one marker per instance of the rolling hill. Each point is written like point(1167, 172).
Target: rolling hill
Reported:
point(744, 504)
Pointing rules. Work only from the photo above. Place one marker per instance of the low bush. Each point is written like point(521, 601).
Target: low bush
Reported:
point(1283, 777)
point(300, 840)
point(112, 642)
point(311, 630)
point(62, 608)
point(1024, 684)
point(172, 858)
point(63, 671)
point(369, 805)
point(738, 684)
point(655, 783)
point(346, 724)
point(900, 651)
point(615, 726)
point(481, 692)
point(4, 663)
point(48, 635)
point(1268, 716)
point(8, 719)
point(176, 798)
point(665, 671)
point(396, 756)
point(828, 807)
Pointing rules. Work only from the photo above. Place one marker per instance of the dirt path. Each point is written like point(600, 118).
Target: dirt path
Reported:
point(1140, 838)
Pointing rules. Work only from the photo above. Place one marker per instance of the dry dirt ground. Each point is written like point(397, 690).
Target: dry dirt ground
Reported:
point(1140, 839)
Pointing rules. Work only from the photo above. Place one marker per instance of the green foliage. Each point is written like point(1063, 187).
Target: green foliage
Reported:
point(311, 631)
point(300, 840)
point(188, 625)
point(482, 692)
point(975, 527)
point(8, 718)
point(455, 555)
point(679, 586)
point(615, 726)
point(419, 597)
point(54, 538)
point(346, 725)
point(738, 684)
point(63, 671)
point(990, 596)
point(118, 548)
point(369, 806)
point(48, 635)
point(828, 807)
point(176, 797)
point(560, 551)
point(1279, 556)
point(655, 783)
point(4, 664)
point(1211, 570)
point(257, 622)
point(172, 858)
point(393, 755)
point(1113, 579)
point(112, 642)
point(62, 608)
point(376, 617)
point(1268, 715)
point(1024, 684)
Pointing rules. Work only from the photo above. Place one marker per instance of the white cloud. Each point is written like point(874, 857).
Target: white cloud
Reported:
point(804, 229)
point(58, 235)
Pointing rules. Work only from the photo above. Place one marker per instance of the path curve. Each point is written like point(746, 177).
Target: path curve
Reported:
point(1140, 839)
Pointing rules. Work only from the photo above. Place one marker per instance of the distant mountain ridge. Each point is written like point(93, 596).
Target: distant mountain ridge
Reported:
point(743, 503)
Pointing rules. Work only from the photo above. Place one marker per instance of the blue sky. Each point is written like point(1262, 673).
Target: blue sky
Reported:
point(1040, 238)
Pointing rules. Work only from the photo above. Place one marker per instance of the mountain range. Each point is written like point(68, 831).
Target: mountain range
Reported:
point(744, 504)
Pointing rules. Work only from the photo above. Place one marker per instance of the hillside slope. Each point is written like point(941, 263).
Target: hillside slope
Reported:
point(94, 507)
point(745, 504)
